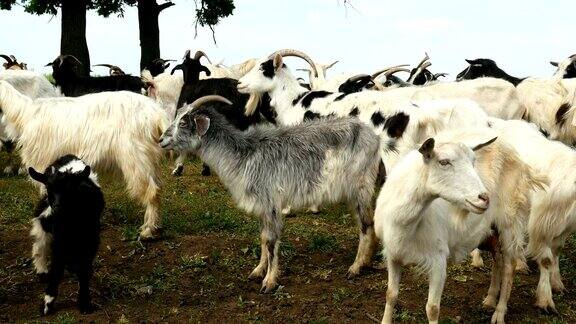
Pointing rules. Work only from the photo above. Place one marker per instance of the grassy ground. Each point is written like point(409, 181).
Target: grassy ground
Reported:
point(198, 271)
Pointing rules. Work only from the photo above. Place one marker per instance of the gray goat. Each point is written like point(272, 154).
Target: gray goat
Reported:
point(266, 168)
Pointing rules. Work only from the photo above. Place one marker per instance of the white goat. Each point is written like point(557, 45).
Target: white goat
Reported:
point(112, 131)
point(416, 228)
point(30, 84)
point(553, 214)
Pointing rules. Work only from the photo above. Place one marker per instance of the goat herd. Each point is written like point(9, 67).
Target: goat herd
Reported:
point(485, 162)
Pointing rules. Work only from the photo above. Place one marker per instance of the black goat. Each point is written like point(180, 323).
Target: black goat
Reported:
point(72, 84)
point(158, 66)
point(67, 221)
point(194, 88)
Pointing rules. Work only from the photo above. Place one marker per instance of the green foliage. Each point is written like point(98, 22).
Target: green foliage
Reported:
point(209, 12)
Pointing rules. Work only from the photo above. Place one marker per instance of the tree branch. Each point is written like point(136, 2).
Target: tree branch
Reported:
point(165, 5)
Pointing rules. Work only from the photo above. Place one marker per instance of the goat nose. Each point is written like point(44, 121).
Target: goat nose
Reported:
point(484, 197)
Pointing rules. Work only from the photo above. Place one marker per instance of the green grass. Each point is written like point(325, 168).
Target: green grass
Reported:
point(188, 281)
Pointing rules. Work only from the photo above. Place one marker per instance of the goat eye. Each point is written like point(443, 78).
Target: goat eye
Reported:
point(444, 162)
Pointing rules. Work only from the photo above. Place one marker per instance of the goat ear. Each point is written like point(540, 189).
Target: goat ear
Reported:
point(177, 67)
point(40, 177)
point(277, 62)
point(554, 63)
point(86, 172)
point(479, 146)
point(427, 149)
point(206, 70)
point(202, 124)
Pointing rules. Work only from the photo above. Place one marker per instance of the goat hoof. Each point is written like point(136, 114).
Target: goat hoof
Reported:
point(148, 234)
point(353, 272)
point(22, 171)
point(547, 308)
point(268, 288)
point(489, 302)
point(42, 277)
point(178, 171)
point(498, 318)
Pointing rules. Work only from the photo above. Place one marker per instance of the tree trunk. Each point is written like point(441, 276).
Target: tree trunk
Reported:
point(73, 39)
point(148, 11)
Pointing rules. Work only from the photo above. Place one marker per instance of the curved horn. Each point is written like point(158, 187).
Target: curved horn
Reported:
point(330, 65)
point(426, 58)
point(110, 66)
point(199, 55)
point(296, 53)
point(355, 78)
point(419, 70)
point(73, 57)
point(186, 54)
point(202, 100)
point(439, 75)
point(8, 59)
point(177, 67)
point(391, 70)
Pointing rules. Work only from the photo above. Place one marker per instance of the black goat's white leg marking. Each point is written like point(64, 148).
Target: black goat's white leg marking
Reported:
point(271, 232)
point(54, 278)
point(41, 245)
point(179, 164)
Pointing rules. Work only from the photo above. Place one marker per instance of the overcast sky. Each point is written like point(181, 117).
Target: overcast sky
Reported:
point(522, 36)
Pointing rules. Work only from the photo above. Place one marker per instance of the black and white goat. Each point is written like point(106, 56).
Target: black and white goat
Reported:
point(66, 227)
point(73, 84)
point(566, 69)
point(194, 88)
point(266, 168)
point(550, 103)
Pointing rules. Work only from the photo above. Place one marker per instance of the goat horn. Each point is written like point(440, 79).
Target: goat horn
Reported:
point(202, 100)
point(331, 65)
point(418, 71)
point(177, 67)
point(426, 58)
point(186, 54)
point(296, 53)
point(391, 70)
point(355, 78)
point(439, 75)
point(110, 66)
point(8, 59)
point(199, 55)
point(73, 57)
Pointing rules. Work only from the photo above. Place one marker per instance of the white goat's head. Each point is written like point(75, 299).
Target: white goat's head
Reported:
point(451, 174)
